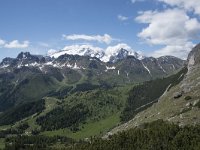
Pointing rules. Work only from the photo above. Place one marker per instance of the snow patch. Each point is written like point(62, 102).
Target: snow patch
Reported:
point(161, 68)
point(34, 64)
point(4, 66)
point(173, 67)
point(110, 68)
point(76, 67)
point(146, 68)
point(181, 76)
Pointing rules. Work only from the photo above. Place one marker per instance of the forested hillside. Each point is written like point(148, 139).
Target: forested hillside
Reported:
point(157, 135)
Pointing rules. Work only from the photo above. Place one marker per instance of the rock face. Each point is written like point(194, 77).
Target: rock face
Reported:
point(194, 56)
point(181, 111)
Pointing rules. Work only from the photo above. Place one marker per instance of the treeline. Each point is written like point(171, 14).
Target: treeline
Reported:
point(19, 112)
point(86, 86)
point(60, 94)
point(14, 131)
point(64, 117)
point(147, 93)
point(158, 135)
point(83, 87)
point(36, 142)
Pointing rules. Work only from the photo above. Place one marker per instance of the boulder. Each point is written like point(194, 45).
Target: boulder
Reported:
point(177, 95)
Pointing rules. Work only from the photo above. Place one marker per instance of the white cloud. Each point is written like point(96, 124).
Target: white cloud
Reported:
point(189, 5)
point(51, 52)
point(102, 39)
point(180, 51)
point(134, 1)
point(122, 18)
point(2, 42)
point(171, 28)
point(17, 44)
point(43, 44)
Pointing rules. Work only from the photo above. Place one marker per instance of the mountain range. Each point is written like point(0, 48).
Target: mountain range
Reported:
point(119, 61)
point(81, 92)
point(110, 54)
point(69, 69)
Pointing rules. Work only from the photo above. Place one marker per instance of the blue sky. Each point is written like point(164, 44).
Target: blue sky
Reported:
point(40, 25)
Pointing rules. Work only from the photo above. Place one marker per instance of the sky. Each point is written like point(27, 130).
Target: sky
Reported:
point(151, 27)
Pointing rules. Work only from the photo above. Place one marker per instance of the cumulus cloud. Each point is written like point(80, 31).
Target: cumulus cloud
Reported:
point(98, 38)
point(17, 44)
point(14, 44)
point(172, 28)
point(180, 51)
point(189, 5)
point(122, 18)
point(169, 26)
point(2, 42)
point(51, 52)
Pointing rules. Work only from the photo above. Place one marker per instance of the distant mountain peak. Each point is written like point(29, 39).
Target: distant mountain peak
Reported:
point(118, 52)
point(24, 55)
point(110, 54)
point(82, 50)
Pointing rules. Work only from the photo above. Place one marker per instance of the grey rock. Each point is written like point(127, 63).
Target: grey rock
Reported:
point(177, 95)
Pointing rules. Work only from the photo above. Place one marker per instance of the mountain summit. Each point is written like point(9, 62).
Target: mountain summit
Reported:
point(111, 54)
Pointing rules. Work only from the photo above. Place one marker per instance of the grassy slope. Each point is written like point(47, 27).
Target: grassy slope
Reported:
point(93, 127)
point(109, 117)
point(89, 129)
point(50, 104)
point(4, 127)
point(2, 144)
point(147, 93)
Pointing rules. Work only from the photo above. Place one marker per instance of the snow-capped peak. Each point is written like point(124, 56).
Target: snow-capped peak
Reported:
point(51, 52)
point(117, 52)
point(82, 50)
point(110, 54)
